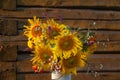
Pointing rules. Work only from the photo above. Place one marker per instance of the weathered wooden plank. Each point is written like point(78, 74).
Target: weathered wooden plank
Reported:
point(109, 46)
point(109, 62)
point(12, 38)
point(7, 71)
point(83, 24)
point(5, 66)
point(80, 76)
point(0, 5)
point(16, 43)
point(103, 3)
point(8, 4)
point(24, 66)
point(9, 53)
point(107, 36)
point(55, 13)
point(8, 27)
point(99, 76)
point(43, 76)
point(8, 75)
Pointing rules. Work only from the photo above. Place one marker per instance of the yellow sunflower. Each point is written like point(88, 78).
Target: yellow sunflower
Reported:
point(83, 58)
point(30, 44)
point(69, 65)
point(35, 28)
point(34, 31)
point(53, 30)
point(43, 56)
point(67, 45)
point(92, 48)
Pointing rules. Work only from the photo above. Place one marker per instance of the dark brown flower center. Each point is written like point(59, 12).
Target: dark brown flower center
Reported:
point(54, 33)
point(70, 63)
point(66, 43)
point(46, 56)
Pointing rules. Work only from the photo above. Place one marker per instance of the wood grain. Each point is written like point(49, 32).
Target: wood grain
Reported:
point(80, 76)
point(8, 75)
point(8, 4)
point(103, 3)
point(9, 53)
point(8, 27)
point(55, 13)
point(5, 66)
point(100, 76)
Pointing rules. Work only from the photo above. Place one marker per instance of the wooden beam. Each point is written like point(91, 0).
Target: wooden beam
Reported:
point(8, 4)
point(99, 76)
point(55, 13)
point(7, 71)
point(12, 38)
point(8, 75)
point(42, 76)
point(108, 46)
point(60, 3)
point(79, 76)
point(9, 53)
point(5, 66)
point(8, 27)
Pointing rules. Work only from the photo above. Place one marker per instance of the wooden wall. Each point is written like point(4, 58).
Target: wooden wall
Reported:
point(101, 16)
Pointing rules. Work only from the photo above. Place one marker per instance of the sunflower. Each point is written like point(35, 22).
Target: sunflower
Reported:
point(43, 56)
point(30, 44)
point(69, 65)
point(67, 45)
point(34, 31)
point(84, 56)
point(53, 30)
point(92, 48)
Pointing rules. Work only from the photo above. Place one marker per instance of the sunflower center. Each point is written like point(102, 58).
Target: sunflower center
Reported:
point(36, 31)
point(70, 63)
point(45, 54)
point(66, 43)
point(54, 33)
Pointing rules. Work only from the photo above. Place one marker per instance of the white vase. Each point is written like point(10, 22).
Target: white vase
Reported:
point(58, 76)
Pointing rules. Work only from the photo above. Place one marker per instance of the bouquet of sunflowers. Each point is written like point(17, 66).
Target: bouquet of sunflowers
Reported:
point(57, 47)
